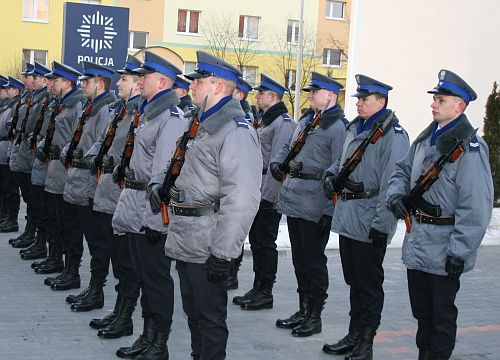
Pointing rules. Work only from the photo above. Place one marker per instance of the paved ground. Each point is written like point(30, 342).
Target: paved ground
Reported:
point(35, 322)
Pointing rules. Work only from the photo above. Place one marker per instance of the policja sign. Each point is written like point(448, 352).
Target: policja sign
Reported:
point(95, 33)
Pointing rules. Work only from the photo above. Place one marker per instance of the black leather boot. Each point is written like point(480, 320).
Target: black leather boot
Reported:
point(262, 300)
point(71, 280)
point(250, 294)
point(49, 280)
point(141, 344)
point(424, 355)
point(50, 252)
point(158, 349)
point(364, 347)
point(122, 325)
point(54, 262)
point(36, 251)
point(297, 318)
point(94, 298)
point(28, 238)
point(11, 224)
point(108, 319)
point(344, 345)
point(232, 280)
point(71, 299)
point(312, 322)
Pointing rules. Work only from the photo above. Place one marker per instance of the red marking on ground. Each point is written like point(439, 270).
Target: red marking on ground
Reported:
point(399, 350)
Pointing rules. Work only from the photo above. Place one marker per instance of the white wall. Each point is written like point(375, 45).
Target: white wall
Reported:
point(405, 43)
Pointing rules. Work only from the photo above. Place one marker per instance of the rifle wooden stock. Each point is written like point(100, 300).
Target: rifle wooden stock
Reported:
point(78, 133)
point(39, 123)
point(19, 137)
point(51, 128)
point(129, 146)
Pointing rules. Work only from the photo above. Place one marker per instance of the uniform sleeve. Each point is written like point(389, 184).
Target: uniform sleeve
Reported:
point(336, 144)
point(282, 138)
point(239, 181)
point(399, 182)
point(475, 203)
point(96, 147)
point(395, 149)
point(283, 152)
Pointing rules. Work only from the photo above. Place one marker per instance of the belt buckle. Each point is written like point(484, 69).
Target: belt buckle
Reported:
point(343, 194)
point(418, 216)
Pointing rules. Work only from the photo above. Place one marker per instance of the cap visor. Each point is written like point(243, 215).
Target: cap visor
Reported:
point(85, 77)
point(195, 75)
point(361, 94)
point(143, 71)
point(310, 88)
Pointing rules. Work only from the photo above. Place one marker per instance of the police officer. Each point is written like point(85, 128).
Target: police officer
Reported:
point(364, 223)
point(181, 88)
point(79, 218)
point(213, 203)
point(241, 93)
point(438, 249)
point(161, 125)
point(71, 99)
point(309, 214)
point(275, 130)
point(12, 90)
point(25, 163)
point(119, 322)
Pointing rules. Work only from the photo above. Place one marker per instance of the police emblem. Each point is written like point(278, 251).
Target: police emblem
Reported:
point(442, 75)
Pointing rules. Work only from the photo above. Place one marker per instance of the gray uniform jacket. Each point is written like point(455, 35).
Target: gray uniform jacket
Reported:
point(304, 198)
point(186, 104)
point(13, 149)
point(464, 189)
point(107, 192)
point(5, 121)
point(274, 132)
point(80, 184)
point(39, 170)
point(354, 218)
point(161, 125)
point(223, 168)
point(66, 120)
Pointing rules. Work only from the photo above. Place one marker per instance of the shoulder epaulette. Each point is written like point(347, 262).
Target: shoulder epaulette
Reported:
point(286, 117)
point(241, 121)
point(398, 129)
point(474, 144)
point(174, 111)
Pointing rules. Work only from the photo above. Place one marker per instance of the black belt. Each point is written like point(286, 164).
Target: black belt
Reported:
point(305, 176)
point(53, 157)
point(107, 170)
point(434, 220)
point(193, 211)
point(264, 171)
point(348, 195)
point(80, 164)
point(135, 185)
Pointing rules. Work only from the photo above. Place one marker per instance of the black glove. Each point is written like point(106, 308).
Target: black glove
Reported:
point(276, 172)
point(154, 198)
point(454, 267)
point(378, 238)
point(92, 161)
point(117, 171)
point(398, 207)
point(324, 225)
point(217, 269)
point(154, 237)
point(40, 155)
point(328, 184)
point(77, 154)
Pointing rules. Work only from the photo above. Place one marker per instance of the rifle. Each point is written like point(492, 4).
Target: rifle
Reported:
point(177, 161)
point(414, 200)
point(19, 136)
point(129, 145)
point(75, 140)
point(15, 119)
point(39, 123)
point(300, 141)
point(51, 127)
point(108, 140)
point(255, 114)
point(342, 179)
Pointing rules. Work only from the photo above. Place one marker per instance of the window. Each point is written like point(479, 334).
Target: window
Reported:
point(291, 77)
point(31, 56)
point(331, 57)
point(292, 32)
point(137, 40)
point(335, 9)
point(36, 10)
point(187, 21)
point(249, 27)
point(250, 74)
point(189, 66)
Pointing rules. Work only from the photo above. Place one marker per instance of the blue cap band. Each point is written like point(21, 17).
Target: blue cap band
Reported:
point(180, 84)
point(66, 75)
point(160, 68)
point(326, 86)
point(456, 89)
point(98, 72)
point(376, 88)
point(272, 87)
point(130, 67)
point(218, 71)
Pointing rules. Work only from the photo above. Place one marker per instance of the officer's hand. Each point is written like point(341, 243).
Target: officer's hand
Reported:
point(454, 267)
point(154, 237)
point(129, 173)
point(217, 269)
point(328, 184)
point(63, 158)
point(398, 207)
point(77, 154)
point(276, 172)
point(378, 238)
point(92, 161)
point(154, 198)
point(117, 171)
point(324, 225)
point(40, 155)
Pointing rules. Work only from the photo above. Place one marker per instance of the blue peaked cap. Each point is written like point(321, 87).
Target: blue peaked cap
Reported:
point(155, 63)
point(452, 84)
point(242, 85)
point(63, 71)
point(91, 70)
point(320, 81)
point(266, 83)
point(29, 68)
point(181, 83)
point(39, 70)
point(15, 84)
point(209, 65)
point(368, 86)
point(131, 64)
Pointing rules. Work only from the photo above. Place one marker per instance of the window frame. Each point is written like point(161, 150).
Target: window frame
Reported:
point(31, 59)
point(246, 69)
point(188, 22)
point(244, 32)
point(329, 57)
point(327, 12)
point(291, 79)
point(131, 35)
point(295, 33)
point(35, 12)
